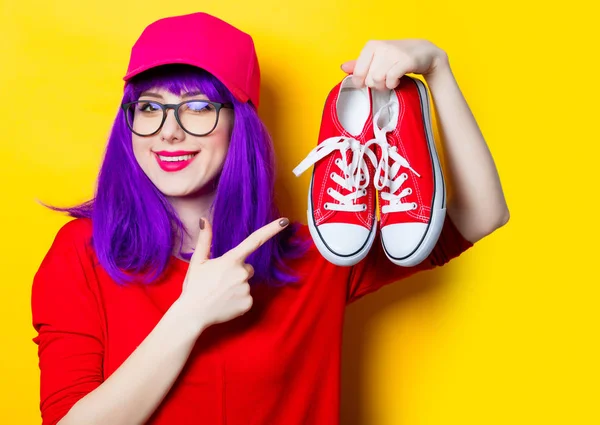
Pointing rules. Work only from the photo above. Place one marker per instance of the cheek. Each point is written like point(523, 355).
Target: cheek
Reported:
point(223, 146)
point(213, 156)
point(216, 148)
point(220, 152)
point(140, 148)
point(224, 139)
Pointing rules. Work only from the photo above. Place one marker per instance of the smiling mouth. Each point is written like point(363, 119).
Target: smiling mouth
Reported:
point(174, 161)
point(176, 158)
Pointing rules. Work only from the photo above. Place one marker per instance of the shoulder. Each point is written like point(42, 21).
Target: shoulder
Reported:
point(75, 234)
point(71, 245)
point(74, 230)
point(64, 287)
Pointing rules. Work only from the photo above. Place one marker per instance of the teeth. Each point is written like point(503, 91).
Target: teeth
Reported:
point(176, 158)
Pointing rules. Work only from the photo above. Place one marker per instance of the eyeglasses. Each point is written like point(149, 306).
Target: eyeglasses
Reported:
point(196, 117)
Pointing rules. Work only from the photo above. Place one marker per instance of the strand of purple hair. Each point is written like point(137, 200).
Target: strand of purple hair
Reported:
point(134, 225)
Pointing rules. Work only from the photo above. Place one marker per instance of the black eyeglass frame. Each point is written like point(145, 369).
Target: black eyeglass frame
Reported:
point(175, 107)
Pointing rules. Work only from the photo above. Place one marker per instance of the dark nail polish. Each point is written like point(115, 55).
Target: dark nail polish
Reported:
point(284, 222)
point(201, 224)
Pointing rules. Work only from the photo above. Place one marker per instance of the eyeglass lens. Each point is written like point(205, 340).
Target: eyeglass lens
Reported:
point(196, 116)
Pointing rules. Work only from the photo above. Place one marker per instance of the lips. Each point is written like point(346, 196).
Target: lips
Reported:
point(172, 161)
point(175, 153)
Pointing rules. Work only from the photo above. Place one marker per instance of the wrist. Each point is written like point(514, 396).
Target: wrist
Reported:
point(187, 317)
point(440, 80)
point(440, 67)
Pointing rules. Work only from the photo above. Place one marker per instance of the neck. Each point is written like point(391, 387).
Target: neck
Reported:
point(190, 210)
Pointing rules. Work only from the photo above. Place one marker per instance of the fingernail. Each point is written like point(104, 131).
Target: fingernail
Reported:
point(284, 222)
point(201, 224)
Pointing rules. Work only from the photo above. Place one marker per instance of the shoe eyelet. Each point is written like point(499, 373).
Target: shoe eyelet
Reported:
point(414, 205)
point(404, 176)
point(364, 207)
point(326, 206)
point(409, 191)
point(332, 175)
point(329, 191)
point(337, 161)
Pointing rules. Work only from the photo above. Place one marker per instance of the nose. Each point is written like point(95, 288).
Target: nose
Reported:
point(171, 131)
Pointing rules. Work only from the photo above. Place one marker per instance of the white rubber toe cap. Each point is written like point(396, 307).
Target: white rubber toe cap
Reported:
point(401, 240)
point(342, 238)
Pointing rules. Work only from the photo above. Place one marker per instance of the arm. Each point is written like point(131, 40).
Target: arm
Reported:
point(134, 391)
point(67, 315)
point(476, 205)
point(68, 318)
point(131, 394)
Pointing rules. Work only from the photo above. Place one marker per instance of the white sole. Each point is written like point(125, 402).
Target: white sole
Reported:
point(438, 209)
point(332, 257)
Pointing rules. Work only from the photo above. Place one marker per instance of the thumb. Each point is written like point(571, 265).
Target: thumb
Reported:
point(348, 67)
point(202, 251)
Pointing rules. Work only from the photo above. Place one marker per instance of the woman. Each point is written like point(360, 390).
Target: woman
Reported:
point(133, 329)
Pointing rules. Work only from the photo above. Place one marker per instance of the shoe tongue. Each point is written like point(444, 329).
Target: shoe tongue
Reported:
point(347, 83)
point(385, 105)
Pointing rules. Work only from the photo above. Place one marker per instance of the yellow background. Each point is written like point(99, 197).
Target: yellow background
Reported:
point(506, 334)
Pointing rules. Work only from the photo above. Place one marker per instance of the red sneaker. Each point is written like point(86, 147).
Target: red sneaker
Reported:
point(341, 198)
point(412, 193)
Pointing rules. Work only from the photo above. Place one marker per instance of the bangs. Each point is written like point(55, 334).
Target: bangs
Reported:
point(180, 79)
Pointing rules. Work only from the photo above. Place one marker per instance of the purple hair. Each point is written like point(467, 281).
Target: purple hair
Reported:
point(135, 227)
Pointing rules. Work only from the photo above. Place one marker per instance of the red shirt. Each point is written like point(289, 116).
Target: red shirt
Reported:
point(279, 364)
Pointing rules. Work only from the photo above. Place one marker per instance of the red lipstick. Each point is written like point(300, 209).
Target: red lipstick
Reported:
point(177, 161)
point(175, 153)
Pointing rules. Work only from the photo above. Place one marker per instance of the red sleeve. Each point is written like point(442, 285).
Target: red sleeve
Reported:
point(376, 270)
point(65, 311)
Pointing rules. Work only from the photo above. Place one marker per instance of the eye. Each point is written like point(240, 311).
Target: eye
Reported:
point(198, 106)
point(148, 107)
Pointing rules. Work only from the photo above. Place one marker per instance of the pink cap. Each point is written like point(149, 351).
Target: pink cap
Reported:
point(201, 40)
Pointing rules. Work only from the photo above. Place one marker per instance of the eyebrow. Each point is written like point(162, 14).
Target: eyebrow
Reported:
point(159, 96)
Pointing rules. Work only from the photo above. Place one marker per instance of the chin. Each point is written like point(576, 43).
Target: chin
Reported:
point(192, 182)
point(185, 189)
point(173, 191)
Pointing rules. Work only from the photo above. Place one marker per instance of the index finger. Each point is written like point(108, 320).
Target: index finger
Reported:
point(363, 63)
point(258, 238)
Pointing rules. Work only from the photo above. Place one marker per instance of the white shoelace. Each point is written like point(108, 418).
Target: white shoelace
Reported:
point(386, 173)
point(354, 176)
point(354, 173)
